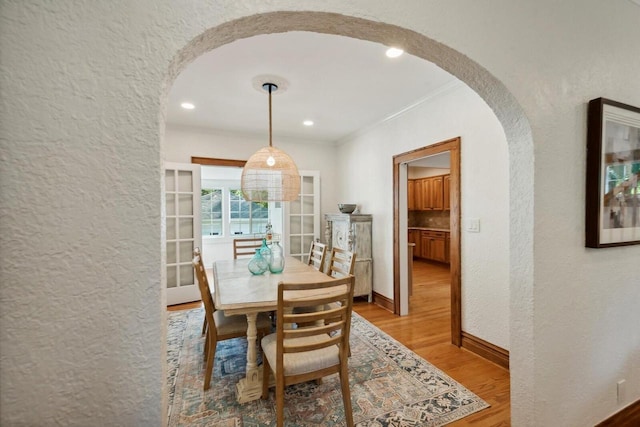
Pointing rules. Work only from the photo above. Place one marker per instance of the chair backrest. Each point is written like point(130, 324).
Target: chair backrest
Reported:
point(341, 263)
point(317, 254)
point(329, 324)
point(244, 247)
point(203, 285)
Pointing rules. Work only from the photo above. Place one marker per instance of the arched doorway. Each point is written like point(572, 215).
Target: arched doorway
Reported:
point(477, 78)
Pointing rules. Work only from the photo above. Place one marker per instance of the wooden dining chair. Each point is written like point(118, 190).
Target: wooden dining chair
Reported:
point(218, 326)
point(196, 254)
point(317, 254)
point(305, 353)
point(244, 247)
point(341, 263)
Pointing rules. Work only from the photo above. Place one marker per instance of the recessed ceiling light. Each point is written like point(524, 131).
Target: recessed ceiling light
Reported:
point(308, 123)
point(187, 106)
point(394, 52)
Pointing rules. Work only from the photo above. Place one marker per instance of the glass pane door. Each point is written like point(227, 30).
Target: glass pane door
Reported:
point(303, 216)
point(183, 234)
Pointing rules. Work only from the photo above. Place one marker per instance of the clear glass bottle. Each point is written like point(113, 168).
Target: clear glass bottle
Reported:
point(276, 262)
point(258, 265)
point(265, 251)
point(269, 233)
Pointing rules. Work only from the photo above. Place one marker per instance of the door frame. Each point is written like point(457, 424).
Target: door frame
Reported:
point(453, 146)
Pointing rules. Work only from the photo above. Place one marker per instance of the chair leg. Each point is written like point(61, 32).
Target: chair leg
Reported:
point(206, 346)
point(211, 355)
point(266, 373)
point(346, 394)
point(279, 400)
point(204, 326)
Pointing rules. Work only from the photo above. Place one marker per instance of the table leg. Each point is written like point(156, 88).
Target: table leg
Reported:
point(250, 387)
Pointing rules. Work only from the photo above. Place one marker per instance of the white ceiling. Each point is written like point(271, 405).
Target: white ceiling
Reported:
point(344, 85)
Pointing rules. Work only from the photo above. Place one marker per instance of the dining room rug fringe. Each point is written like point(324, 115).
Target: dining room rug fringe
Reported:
point(390, 385)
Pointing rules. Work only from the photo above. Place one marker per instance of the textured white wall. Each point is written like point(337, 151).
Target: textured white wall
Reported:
point(83, 90)
point(485, 194)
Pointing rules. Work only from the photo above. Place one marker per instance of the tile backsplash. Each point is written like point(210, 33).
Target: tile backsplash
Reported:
point(435, 219)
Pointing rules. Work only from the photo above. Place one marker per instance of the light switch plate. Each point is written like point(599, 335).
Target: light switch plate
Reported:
point(473, 225)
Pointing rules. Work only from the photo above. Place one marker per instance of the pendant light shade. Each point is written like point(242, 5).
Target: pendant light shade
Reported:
point(270, 175)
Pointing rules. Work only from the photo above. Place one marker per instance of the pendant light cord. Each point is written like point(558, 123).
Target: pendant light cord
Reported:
point(270, 87)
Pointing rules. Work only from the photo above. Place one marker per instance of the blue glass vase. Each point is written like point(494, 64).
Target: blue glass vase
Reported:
point(276, 261)
point(258, 265)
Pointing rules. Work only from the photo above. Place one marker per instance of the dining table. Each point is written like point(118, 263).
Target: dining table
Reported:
point(237, 291)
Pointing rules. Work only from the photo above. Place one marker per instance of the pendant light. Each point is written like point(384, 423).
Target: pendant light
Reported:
point(270, 175)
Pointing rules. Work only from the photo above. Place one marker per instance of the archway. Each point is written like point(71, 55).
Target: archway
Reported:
point(494, 93)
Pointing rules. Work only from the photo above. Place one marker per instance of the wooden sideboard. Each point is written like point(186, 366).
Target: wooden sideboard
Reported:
point(353, 233)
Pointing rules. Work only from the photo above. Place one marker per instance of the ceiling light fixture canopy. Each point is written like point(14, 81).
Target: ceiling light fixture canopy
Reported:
point(270, 175)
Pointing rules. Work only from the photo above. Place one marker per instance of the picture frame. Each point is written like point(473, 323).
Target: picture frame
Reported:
point(613, 174)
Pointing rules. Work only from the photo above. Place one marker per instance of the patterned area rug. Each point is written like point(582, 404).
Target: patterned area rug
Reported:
point(390, 385)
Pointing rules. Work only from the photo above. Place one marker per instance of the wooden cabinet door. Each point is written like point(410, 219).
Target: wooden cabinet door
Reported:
point(418, 192)
point(426, 194)
point(437, 249)
point(447, 248)
point(411, 200)
point(424, 245)
point(436, 193)
point(446, 190)
point(432, 245)
point(340, 235)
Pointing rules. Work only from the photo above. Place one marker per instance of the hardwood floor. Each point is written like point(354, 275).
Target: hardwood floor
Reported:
point(426, 331)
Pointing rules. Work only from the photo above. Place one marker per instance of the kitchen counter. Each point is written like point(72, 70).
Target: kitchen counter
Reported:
point(428, 229)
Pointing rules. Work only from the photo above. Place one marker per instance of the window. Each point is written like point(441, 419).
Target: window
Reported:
point(246, 217)
point(225, 213)
point(211, 211)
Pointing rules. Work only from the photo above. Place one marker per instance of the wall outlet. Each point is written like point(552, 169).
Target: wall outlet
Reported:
point(473, 225)
point(622, 391)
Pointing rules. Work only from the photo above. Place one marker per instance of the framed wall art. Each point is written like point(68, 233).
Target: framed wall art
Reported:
point(613, 174)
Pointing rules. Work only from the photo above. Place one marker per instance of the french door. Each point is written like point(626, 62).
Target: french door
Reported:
point(183, 230)
point(302, 224)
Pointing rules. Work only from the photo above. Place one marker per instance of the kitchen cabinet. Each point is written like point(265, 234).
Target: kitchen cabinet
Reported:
point(425, 199)
point(447, 253)
point(352, 232)
point(415, 238)
point(446, 192)
point(435, 193)
point(426, 194)
point(411, 200)
point(418, 192)
point(433, 245)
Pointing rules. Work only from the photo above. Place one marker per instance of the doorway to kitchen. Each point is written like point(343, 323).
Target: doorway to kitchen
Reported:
point(439, 229)
point(428, 225)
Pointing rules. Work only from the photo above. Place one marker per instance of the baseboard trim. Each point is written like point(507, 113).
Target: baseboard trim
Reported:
point(489, 351)
point(628, 416)
point(383, 301)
